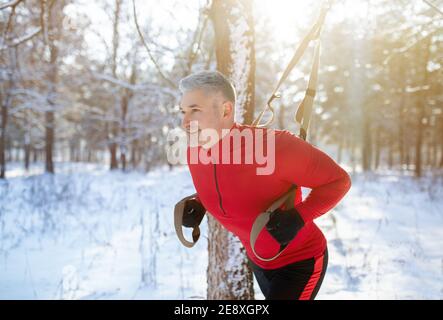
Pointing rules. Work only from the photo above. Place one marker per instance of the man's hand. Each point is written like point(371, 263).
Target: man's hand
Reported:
point(193, 213)
point(284, 225)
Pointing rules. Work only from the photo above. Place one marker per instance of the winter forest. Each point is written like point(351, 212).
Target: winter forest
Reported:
point(89, 92)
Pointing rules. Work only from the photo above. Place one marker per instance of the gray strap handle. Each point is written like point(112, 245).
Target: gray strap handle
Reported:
point(263, 218)
point(178, 218)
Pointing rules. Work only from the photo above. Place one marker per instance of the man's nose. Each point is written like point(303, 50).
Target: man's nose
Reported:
point(185, 121)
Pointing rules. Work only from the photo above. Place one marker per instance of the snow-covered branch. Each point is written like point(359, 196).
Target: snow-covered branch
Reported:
point(134, 87)
point(10, 4)
point(22, 39)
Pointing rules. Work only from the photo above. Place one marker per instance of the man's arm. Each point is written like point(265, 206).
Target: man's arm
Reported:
point(303, 164)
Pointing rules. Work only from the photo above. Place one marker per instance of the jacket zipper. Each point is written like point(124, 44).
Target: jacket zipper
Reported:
point(218, 190)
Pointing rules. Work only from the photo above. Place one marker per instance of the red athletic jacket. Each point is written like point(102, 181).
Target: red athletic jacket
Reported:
point(235, 194)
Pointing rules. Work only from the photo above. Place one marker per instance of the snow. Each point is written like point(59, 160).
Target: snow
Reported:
point(87, 233)
point(93, 234)
point(386, 243)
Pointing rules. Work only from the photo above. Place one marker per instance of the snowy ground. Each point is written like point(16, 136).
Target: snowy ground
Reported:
point(86, 233)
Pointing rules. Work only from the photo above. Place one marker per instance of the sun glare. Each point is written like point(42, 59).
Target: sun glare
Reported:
point(286, 16)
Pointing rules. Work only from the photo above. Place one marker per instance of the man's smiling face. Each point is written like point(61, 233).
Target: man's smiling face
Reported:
point(205, 108)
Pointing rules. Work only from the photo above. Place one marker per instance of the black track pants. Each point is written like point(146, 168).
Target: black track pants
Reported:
point(300, 280)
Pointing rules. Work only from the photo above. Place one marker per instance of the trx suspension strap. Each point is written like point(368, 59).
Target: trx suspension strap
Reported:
point(313, 34)
point(260, 222)
point(302, 116)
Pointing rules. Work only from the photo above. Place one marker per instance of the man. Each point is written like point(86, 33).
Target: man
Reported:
point(235, 193)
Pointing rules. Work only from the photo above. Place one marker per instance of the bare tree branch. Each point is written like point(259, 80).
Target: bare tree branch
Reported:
point(137, 87)
point(197, 39)
point(406, 48)
point(43, 24)
point(8, 24)
point(172, 84)
point(433, 6)
point(22, 39)
point(10, 4)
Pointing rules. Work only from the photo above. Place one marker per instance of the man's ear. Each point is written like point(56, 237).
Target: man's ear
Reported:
point(227, 108)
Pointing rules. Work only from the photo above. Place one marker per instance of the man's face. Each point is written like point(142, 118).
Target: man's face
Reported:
point(205, 108)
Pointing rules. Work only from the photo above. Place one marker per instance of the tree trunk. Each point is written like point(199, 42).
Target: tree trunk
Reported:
point(353, 154)
point(428, 149)
point(113, 153)
point(114, 125)
point(229, 18)
point(228, 274)
point(4, 122)
point(402, 115)
point(340, 148)
point(377, 149)
point(49, 139)
point(391, 152)
point(128, 94)
point(27, 155)
point(135, 158)
point(367, 145)
point(56, 18)
point(16, 154)
point(408, 158)
point(34, 155)
point(228, 281)
point(8, 152)
point(435, 147)
point(421, 110)
point(5, 103)
point(27, 142)
point(401, 139)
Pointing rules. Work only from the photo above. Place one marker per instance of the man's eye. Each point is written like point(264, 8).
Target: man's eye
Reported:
point(192, 111)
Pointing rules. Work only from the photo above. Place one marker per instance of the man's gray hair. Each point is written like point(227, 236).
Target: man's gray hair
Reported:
point(209, 81)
